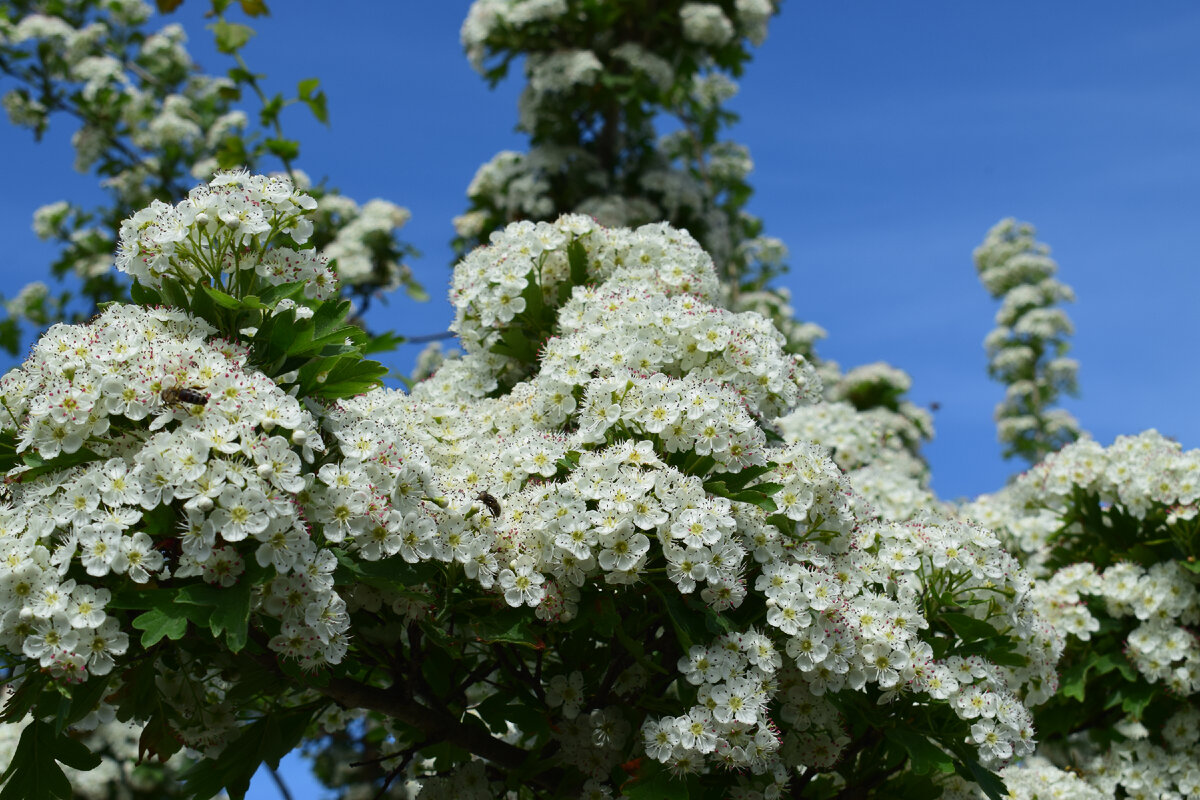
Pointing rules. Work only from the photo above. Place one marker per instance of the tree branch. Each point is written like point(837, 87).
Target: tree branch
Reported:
point(436, 725)
point(283, 789)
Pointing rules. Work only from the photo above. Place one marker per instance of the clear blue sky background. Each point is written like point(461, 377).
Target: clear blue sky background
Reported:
point(888, 137)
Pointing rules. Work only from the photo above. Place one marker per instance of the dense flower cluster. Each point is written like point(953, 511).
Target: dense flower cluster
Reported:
point(1146, 476)
point(1111, 532)
point(229, 466)
point(1027, 350)
point(362, 232)
point(849, 615)
point(206, 237)
point(579, 461)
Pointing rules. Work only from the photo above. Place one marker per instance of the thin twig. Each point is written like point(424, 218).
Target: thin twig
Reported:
point(283, 789)
point(430, 337)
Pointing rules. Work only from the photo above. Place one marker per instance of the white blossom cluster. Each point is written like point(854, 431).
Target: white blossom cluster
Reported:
point(878, 389)
point(705, 23)
point(1139, 768)
point(551, 536)
point(230, 467)
point(516, 183)
point(701, 23)
point(79, 56)
point(595, 470)
point(561, 71)
point(148, 116)
point(485, 16)
point(488, 283)
point(576, 459)
point(1026, 349)
point(1163, 598)
point(1034, 778)
point(652, 314)
point(775, 304)
point(1137, 474)
point(354, 249)
point(656, 68)
point(204, 239)
point(855, 439)
point(1148, 482)
point(876, 447)
point(848, 613)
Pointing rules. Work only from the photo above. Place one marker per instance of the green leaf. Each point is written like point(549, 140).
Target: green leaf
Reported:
point(1075, 678)
point(1132, 697)
point(158, 740)
point(144, 295)
point(924, 754)
point(515, 344)
point(737, 481)
point(319, 106)
point(577, 260)
point(510, 626)
point(307, 86)
point(989, 782)
point(655, 784)
point(254, 8)
point(391, 574)
point(28, 694)
point(34, 773)
point(271, 295)
point(157, 625)
point(174, 294)
point(766, 488)
point(689, 625)
point(230, 610)
point(230, 36)
point(39, 466)
point(968, 628)
point(219, 298)
point(383, 342)
point(265, 741)
point(755, 498)
point(284, 149)
point(168, 618)
point(86, 696)
point(204, 308)
point(535, 309)
point(329, 321)
point(350, 375)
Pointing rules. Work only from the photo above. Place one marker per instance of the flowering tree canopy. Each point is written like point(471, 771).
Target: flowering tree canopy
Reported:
point(636, 540)
point(150, 125)
point(201, 505)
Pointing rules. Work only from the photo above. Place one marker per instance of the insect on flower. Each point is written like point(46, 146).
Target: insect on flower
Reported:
point(490, 503)
point(175, 395)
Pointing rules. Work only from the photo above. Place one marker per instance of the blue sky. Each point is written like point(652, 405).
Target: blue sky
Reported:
point(887, 137)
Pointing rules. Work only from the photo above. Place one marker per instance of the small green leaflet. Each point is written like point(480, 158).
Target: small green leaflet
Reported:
point(924, 755)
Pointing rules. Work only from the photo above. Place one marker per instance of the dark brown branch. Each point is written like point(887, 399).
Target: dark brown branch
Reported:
point(436, 725)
